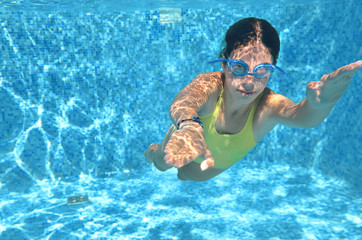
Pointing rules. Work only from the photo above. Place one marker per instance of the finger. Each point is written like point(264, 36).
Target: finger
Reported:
point(356, 65)
point(208, 160)
point(206, 164)
point(315, 85)
point(162, 166)
point(345, 71)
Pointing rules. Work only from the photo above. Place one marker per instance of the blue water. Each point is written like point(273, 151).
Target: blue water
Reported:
point(85, 87)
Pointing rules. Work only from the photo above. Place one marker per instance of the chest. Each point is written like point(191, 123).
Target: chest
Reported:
point(230, 124)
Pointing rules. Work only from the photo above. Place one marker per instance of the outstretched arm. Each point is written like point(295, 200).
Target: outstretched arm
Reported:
point(188, 143)
point(321, 97)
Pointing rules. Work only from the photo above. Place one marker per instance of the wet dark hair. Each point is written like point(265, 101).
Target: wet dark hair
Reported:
point(251, 29)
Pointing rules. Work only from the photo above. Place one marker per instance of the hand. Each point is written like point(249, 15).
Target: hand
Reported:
point(332, 86)
point(185, 145)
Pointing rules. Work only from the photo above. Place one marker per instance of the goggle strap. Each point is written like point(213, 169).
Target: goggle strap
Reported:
point(218, 60)
point(281, 70)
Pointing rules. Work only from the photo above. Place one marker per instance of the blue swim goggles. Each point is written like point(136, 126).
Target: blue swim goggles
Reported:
point(240, 68)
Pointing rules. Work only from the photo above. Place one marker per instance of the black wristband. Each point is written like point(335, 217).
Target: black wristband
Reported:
point(195, 119)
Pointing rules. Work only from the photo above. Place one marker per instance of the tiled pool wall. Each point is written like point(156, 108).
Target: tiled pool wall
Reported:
point(88, 92)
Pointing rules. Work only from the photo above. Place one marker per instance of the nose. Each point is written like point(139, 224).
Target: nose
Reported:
point(248, 83)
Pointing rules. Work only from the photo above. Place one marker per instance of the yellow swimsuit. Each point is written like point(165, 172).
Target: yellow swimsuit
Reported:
point(227, 149)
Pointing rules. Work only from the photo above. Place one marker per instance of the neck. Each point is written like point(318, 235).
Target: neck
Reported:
point(234, 108)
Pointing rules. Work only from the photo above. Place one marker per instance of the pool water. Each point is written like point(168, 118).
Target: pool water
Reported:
point(85, 87)
point(257, 202)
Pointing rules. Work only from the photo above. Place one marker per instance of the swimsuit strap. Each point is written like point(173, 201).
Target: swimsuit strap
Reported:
point(227, 149)
point(252, 112)
point(215, 113)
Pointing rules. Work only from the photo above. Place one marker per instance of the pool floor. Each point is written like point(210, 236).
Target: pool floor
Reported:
point(273, 202)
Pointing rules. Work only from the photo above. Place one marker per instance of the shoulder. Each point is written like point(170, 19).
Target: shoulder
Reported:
point(270, 105)
point(274, 104)
point(264, 108)
point(202, 86)
point(210, 86)
point(207, 85)
point(271, 101)
point(213, 80)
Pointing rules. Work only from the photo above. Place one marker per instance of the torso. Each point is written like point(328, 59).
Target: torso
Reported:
point(262, 123)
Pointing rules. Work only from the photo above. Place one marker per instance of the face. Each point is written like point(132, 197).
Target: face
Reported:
point(247, 88)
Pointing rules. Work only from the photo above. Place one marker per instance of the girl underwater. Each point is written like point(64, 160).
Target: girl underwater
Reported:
point(220, 116)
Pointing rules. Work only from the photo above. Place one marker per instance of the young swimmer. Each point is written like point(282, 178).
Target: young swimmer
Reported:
point(220, 116)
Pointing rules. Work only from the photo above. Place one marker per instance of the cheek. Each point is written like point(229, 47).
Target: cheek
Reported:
point(232, 82)
point(228, 73)
point(262, 84)
point(264, 81)
point(229, 77)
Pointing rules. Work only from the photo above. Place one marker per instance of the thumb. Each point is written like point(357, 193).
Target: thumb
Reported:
point(208, 160)
point(314, 90)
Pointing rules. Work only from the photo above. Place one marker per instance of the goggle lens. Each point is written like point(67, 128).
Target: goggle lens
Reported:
point(263, 71)
point(260, 71)
point(239, 68)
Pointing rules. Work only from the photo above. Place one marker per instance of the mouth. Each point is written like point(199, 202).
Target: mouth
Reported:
point(245, 93)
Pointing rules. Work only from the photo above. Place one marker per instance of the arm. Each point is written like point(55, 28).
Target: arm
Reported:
point(188, 143)
point(191, 99)
point(321, 97)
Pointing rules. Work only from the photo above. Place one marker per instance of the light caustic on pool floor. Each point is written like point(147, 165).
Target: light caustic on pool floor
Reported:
point(255, 203)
